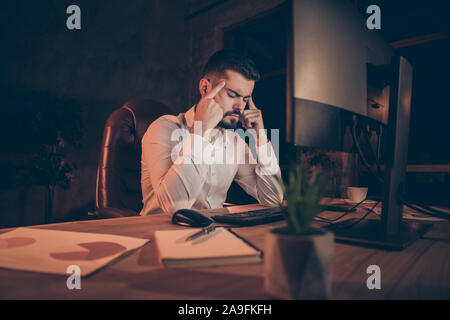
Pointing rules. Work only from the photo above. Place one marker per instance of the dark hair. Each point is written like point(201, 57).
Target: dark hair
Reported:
point(231, 60)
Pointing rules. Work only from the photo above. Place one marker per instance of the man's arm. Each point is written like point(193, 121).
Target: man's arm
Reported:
point(177, 176)
point(176, 184)
point(259, 178)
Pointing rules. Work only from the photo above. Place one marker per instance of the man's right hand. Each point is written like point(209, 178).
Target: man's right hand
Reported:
point(208, 111)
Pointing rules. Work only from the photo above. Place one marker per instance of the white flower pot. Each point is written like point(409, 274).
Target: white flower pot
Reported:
point(298, 266)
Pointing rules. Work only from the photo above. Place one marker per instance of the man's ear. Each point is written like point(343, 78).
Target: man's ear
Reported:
point(203, 86)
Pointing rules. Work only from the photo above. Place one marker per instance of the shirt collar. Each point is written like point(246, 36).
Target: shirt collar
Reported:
point(189, 116)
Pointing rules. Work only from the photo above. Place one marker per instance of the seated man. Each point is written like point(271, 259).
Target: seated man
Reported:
point(190, 160)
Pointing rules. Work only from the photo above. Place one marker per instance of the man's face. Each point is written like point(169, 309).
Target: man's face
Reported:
point(233, 97)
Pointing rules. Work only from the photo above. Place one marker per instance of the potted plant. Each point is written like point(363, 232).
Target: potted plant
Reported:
point(36, 155)
point(298, 258)
point(56, 125)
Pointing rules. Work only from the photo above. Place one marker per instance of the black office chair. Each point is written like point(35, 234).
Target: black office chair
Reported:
point(118, 191)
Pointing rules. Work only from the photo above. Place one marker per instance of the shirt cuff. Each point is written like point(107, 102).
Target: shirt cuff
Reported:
point(267, 159)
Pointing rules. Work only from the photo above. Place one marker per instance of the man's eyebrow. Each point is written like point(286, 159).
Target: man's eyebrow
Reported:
point(236, 93)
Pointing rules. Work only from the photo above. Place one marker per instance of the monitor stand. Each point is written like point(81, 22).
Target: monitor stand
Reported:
point(373, 233)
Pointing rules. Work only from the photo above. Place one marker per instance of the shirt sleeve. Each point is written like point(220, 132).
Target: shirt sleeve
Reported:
point(176, 171)
point(259, 178)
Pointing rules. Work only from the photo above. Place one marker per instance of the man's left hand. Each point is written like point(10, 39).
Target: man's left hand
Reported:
point(252, 117)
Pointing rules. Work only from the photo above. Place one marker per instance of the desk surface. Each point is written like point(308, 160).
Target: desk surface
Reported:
point(421, 271)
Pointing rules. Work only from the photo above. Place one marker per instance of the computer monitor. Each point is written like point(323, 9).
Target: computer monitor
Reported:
point(328, 49)
point(390, 231)
point(331, 48)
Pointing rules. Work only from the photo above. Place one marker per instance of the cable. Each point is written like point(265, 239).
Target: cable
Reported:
point(435, 213)
point(342, 215)
point(379, 135)
point(434, 210)
point(376, 154)
point(324, 221)
point(361, 155)
point(362, 218)
point(377, 162)
point(428, 208)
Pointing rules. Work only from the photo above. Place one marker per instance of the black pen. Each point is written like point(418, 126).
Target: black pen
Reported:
point(204, 231)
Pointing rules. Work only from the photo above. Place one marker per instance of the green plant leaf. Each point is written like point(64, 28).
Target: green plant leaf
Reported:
point(303, 193)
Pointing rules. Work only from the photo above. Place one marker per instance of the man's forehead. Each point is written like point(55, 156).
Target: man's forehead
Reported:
point(238, 83)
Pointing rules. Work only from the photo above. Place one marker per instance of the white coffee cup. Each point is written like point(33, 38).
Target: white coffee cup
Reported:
point(356, 194)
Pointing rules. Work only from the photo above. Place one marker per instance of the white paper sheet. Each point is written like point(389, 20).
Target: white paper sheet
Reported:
point(52, 251)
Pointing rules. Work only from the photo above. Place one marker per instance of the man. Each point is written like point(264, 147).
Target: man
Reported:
point(193, 173)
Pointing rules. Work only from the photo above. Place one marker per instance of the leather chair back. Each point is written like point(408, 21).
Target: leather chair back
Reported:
point(118, 191)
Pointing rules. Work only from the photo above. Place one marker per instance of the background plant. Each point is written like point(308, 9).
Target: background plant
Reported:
point(305, 188)
point(40, 131)
point(328, 161)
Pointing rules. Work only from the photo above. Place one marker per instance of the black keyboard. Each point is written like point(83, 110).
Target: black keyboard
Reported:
point(251, 218)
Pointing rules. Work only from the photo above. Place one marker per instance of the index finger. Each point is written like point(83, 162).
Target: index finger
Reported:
point(215, 90)
point(251, 104)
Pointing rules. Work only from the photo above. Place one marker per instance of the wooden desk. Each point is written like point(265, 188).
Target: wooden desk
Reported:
point(422, 271)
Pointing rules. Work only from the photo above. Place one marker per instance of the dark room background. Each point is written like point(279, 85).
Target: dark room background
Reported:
point(156, 49)
point(138, 49)
point(121, 52)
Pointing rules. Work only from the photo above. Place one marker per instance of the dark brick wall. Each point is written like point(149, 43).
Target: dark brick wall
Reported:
point(125, 49)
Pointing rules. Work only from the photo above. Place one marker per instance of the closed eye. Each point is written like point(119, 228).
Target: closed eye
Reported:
point(231, 95)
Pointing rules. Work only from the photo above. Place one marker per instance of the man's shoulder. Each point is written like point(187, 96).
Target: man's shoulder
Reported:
point(168, 120)
point(164, 125)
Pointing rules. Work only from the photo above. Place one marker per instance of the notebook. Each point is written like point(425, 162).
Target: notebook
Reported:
point(218, 248)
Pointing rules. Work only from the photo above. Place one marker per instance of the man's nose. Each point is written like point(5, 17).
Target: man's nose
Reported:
point(240, 105)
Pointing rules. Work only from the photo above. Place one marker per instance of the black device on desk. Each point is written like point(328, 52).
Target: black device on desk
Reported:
point(251, 218)
point(267, 215)
point(192, 218)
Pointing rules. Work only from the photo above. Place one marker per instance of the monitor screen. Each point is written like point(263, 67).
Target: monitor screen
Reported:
point(331, 47)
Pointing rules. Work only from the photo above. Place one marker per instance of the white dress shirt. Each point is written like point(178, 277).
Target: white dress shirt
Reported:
point(174, 175)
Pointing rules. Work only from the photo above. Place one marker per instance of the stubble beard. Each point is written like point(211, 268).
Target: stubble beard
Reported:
point(231, 123)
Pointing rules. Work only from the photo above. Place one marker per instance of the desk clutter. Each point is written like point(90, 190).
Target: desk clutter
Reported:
point(148, 279)
point(51, 251)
